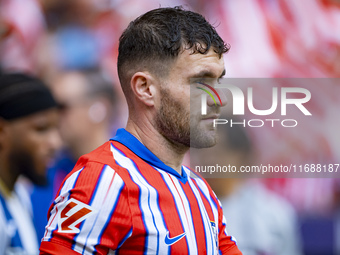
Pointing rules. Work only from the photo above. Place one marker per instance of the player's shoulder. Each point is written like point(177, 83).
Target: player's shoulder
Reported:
point(94, 173)
point(96, 161)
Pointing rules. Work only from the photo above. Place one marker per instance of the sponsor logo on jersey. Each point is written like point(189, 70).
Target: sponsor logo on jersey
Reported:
point(72, 213)
point(170, 241)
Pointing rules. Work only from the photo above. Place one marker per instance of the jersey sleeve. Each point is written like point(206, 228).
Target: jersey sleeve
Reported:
point(227, 244)
point(90, 214)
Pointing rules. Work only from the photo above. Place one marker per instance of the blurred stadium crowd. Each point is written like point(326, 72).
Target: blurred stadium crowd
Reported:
point(269, 39)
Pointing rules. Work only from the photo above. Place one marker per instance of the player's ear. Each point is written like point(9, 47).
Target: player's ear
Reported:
point(143, 85)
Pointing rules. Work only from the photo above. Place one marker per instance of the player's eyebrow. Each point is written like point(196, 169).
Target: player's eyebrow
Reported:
point(208, 74)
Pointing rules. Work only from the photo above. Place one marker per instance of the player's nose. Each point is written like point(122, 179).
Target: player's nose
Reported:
point(220, 99)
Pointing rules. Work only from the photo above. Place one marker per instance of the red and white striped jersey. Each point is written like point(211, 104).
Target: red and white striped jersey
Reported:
point(121, 199)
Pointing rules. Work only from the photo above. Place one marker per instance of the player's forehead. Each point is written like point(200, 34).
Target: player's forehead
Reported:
point(197, 65)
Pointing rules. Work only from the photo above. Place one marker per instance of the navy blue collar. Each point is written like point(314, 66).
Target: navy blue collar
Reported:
point(127, 139)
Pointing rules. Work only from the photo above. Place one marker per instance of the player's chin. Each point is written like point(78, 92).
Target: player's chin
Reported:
point(205, 138)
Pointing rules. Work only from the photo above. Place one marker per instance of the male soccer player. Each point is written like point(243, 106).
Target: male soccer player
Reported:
point(28, 140)
point(132, 195)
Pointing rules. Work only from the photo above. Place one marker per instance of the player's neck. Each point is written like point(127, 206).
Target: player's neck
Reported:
point(169, 153)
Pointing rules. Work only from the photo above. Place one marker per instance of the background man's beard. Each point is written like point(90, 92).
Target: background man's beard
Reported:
point(22, 163)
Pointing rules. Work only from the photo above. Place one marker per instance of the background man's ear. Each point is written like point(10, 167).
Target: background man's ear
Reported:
point(143, 85)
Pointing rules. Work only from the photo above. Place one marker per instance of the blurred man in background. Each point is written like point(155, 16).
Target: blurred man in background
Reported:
point(87, 99)
point(28, 140)
point(87, 102)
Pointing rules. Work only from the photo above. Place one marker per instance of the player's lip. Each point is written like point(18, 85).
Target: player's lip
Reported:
point(211, 117)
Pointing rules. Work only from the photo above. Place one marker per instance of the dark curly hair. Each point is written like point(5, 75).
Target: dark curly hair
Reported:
point(154, 40)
